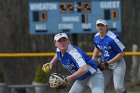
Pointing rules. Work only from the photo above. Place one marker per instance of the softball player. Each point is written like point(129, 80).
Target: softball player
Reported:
point(83, 68)
point(111, 48)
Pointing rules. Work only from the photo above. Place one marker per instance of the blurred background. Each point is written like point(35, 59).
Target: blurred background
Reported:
point(17, 35)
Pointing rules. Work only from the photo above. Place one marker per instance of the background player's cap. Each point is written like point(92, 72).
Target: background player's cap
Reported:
point(101, 21)
point(60, 35)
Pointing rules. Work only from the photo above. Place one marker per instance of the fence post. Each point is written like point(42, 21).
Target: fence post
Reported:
point(134, 67)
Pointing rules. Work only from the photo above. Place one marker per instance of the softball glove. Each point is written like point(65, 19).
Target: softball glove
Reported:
point(101, 64)
point(58, 81)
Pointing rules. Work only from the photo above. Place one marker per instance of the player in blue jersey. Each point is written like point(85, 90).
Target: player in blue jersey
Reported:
point(112, 52)
point(83, 69)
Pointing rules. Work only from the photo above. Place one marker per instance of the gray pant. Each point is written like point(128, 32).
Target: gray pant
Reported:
point(118, 72)
point(94, 82)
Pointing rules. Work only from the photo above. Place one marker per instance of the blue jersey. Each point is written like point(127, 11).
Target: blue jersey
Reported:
point(74, 58)
point(109, 46)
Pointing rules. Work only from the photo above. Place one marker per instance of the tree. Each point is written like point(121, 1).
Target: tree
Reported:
point(40, 76)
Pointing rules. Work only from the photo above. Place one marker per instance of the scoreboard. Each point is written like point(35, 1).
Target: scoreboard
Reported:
point(72, 16)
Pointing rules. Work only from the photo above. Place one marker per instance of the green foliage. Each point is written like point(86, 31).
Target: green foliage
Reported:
point(1, 76)
point(40, 76)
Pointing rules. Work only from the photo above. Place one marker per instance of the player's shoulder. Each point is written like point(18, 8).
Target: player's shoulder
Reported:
point(97, 34)
point(71, 48)
point(74, 49)
point(57, 50)
point(112, 34)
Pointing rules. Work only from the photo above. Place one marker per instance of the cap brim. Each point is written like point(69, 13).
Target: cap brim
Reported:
point(101, 23)
point(57, 39)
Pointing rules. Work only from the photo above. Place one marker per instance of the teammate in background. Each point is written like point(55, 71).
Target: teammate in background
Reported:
point(83, 68)
point(112, 52)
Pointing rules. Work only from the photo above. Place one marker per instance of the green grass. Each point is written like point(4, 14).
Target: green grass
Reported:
point(133, 91)
point(127, 91)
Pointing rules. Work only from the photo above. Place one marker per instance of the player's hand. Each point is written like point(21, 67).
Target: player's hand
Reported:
point(102, 65)
point(47, 64)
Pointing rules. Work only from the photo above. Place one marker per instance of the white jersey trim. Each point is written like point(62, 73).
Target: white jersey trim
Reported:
point(91, 69)
point(117, 41)
point(76, 55)
point(97, 34)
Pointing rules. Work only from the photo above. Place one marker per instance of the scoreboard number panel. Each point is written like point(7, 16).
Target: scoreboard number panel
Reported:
point(72, 16)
